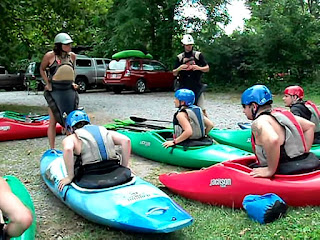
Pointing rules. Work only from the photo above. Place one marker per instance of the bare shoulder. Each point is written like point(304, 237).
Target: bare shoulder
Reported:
point(49, 54)
point(258, 124)
point(73, 56)
point(256, 128)
point(182, 116)
point(47, 58)
point(70, 138)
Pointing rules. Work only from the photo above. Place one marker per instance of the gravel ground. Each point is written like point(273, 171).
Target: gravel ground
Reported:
point(224, 111)
point(22, 158)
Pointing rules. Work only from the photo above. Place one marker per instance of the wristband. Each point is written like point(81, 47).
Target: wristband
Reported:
point(174, 142)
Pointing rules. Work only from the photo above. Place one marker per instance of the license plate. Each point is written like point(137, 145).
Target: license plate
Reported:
point(114, 75)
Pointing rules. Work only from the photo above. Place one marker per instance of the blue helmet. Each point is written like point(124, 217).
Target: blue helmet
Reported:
point(185, 95)
point(75, 117)
point(258, 94)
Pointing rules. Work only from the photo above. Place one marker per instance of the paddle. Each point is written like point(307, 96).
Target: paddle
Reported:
point(113, 127)
point(139, 119)
point(119, 124)
point(129, 122)
point(244, 125)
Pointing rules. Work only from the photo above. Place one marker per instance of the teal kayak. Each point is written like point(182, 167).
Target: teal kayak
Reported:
point(148, 144)
point(242, 139)
point(21, 192)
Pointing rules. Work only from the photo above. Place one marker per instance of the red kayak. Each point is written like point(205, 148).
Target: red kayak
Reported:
point(11, 129)
point(229, 182)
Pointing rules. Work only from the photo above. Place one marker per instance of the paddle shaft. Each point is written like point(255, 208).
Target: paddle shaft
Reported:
point(139, 119)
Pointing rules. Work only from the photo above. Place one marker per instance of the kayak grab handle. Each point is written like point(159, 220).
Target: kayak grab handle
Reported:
point(153, 210)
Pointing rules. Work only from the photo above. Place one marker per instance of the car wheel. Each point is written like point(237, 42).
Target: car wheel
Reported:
point(82, 85)
point(140, 86)
point(117, 89)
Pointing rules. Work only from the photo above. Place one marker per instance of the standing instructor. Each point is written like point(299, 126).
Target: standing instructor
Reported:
point(189, 67)
point(60, 89)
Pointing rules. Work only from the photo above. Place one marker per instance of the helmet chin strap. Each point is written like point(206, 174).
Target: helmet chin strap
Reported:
point(254, 113)
point(294, 98)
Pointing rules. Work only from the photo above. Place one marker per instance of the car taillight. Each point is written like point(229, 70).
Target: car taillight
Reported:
point(127, 73)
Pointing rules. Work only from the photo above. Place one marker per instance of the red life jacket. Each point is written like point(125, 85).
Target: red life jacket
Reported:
point(314, 107)
point(315, 114)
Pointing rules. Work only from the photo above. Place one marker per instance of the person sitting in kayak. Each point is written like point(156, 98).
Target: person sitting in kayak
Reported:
point(88, 144)
point(293, 98)
point(280, 140)
point(11, 207)
point(189, 121)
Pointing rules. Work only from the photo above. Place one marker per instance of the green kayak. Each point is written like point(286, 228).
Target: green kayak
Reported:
point(242, 139)
point(131, 53)
point(148, 144)
point(21, 192)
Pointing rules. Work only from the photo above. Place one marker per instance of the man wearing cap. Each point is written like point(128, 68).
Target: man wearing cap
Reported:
point(189, 67)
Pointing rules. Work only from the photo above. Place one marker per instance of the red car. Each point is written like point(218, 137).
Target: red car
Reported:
point(138, 74)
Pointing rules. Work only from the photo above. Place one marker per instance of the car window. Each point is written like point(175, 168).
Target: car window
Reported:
point(37, 68)
point(147, 66)
point(158, 66)
point(117, 65)
point(135, 65)
point(2, 71)
point(30, 68)
point(83, 63)
point(106, 61)
point(99, 62)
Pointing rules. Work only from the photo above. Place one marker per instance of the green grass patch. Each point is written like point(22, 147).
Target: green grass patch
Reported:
point(56, 221)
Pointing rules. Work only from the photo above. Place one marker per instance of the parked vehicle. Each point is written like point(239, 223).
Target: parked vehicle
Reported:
point(90, 72)
point(32, 78)
point(138, 74)
point(10, 81)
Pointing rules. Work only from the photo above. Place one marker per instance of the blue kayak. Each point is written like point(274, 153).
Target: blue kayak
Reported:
point(133, 206)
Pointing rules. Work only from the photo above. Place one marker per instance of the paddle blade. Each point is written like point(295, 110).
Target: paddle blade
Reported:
point(138, 119)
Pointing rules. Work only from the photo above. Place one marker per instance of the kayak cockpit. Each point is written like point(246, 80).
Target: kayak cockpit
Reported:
point(168, 136)
point(90, 183)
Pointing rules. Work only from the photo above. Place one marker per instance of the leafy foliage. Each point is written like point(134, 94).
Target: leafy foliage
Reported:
point(279, 46)
point(29, 27)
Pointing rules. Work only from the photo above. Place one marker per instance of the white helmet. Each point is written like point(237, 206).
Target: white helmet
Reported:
point(63, 38)
point(187, 39)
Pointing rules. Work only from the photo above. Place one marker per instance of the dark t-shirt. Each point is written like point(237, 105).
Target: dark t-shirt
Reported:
point(299, 109)
point(191, 79)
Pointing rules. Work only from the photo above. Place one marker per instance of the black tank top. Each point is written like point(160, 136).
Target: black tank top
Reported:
point(57, 63)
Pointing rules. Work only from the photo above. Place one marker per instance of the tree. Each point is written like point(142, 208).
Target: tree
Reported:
point(153, 25)
point(29, 27)
point(288, 38)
